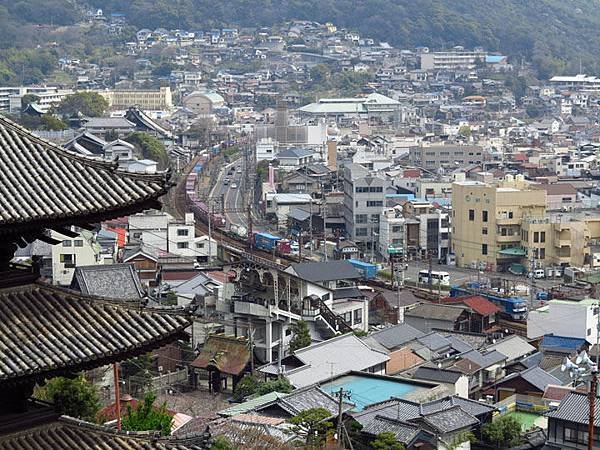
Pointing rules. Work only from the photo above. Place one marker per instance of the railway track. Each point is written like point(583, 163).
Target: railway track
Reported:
point(179, 205)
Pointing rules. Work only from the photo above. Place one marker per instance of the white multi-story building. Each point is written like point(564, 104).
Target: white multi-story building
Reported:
point(10, 97)
point(391, 230)
point(455, 60)
point(82, 250)
point(266, 149)
point(180, 236)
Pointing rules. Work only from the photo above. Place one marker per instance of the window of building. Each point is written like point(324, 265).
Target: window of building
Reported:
point(373, 203)
point(361, 218)
point(484, 249)
point(137, 235)
point(78, 242)
point(376, 189)
point(374, 218)
point(542, 236)
point(361, 231)
point(68, 260)
point(182, 232)
point(182, 245)
point(362, 189)
point(357, 316)
point(200, 245)
point(510, 214)
point(542, 253)
point(536, 236)
point(484, 230)
point(348, 317)
point(66, 243)
point(484, 216)
point(471, 214)
point(396, 229)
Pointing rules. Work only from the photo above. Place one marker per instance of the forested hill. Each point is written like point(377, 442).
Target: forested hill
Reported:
point(555, 34)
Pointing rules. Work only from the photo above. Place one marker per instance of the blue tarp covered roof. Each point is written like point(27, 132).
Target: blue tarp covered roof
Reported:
point(551, 342)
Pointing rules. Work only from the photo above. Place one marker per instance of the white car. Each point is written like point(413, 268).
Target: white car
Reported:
point(233, 186)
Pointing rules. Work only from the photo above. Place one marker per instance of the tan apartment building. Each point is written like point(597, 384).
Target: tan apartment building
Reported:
point(487, 220)
point(146, 99)
point(562, 240)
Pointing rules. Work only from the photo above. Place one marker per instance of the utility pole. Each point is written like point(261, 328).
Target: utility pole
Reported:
point(250, 233)
point(430, 269)
point(251, 336)
point(310, 225)
point(117, 395)
point(339, 422)
point(210, 216)
point(592, 400)
point(531, 278)
point(280, 352)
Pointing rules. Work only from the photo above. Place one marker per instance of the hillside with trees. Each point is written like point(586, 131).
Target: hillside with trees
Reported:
point(555, 35)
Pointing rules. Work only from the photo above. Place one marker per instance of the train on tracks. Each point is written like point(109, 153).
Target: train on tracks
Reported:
point(203, 213)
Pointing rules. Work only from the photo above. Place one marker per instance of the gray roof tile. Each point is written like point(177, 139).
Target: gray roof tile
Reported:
point(42, 182)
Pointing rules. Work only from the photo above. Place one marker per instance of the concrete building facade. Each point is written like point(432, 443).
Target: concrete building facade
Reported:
point(364, 199)
point(487, 220)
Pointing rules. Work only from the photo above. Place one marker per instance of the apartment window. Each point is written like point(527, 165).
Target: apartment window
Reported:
point(372, 203)
point(510, 214)
point(78, 242)
point(541, 253)
point(589, 331)
point(484, 230)
point(484, 216)
point(536, 236)
point(200, 245)
point(542, 236)
point(357, 316)
point(182, 245)
point(348, 317)
point(66, 243)
point(361, 218)
point(68, 260)
point(182, 232)
point(484, 249)
point(361, 189)
point(396, 229)
point(471, 214)
point(374, 218)
point(376, 189)
point(361, 231)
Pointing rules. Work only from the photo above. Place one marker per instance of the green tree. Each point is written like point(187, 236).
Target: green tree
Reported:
point(301, 337)
point(53, 123)
point(27, 99)
point(90, 104)
point(311, 424)
point(386, 441)
point(222, 443)
point(465, 131)
point(73, 397)
point(518, 87)
point(281, 385)
point(245, 388)
point(320, 74)
point(460, 439)
point(146, 417)
point(249, 385)
point(503, 432)
point(150, 147)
